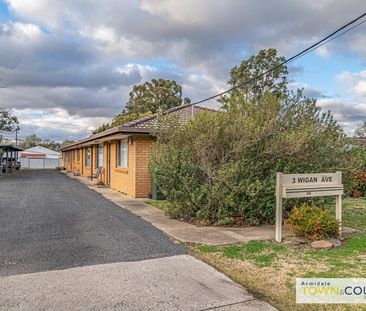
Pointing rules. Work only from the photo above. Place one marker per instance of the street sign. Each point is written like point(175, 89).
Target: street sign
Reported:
point(307, 185)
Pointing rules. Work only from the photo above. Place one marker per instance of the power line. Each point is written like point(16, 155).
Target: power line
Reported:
point(335, 34)
point(335, 37)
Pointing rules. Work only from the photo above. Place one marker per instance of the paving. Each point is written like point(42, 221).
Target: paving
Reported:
point(183, 231)
point(172, 283)
point(49, 221)
point(64, 246)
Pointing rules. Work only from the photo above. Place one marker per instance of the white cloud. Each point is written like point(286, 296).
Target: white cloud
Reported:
point(146, 71)
point(56, 123)
point(84, 56)
point(354, 82)
point(349, 114)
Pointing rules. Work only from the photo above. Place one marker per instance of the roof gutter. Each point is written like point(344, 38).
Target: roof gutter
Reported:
point(111, 132)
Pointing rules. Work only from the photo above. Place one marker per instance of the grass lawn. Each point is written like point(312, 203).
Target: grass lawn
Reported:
point(269, 269)
point(157, 203)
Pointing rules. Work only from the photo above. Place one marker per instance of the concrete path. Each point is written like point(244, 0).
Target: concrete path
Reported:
point(66, 247)
point(179, 230)
point(172, 283)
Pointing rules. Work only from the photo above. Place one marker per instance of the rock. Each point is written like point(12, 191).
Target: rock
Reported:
point(322, 244)
point(294, 240)
point(348, 230)
point(335, 242)
point(341, 238)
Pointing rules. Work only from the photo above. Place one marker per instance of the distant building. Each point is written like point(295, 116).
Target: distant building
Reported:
point(39, 157)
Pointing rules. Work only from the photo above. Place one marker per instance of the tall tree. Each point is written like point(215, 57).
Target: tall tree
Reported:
point(30, 141)
point(8, 122)
point(273, 83)
point(159, 94)
point(148, 98)
point(50, 144)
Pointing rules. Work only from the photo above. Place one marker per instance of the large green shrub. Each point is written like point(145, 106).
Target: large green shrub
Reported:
point(221, 167)
point(312, 222)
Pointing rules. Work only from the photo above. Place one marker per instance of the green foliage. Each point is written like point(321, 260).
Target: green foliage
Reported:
point(357, 182)
point(160, 204)
point(259, 252)
point(159, 94)
point(359, 185)
point(33, 140)
point(148, 98)
point(30, 141)
point(222, 166)
point(8, 122)
point(120, 119)
point(274, 83)
point(312, 222)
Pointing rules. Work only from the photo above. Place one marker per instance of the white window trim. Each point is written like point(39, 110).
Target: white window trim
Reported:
point(119, 153)
point(100, 147)
point(86, 157)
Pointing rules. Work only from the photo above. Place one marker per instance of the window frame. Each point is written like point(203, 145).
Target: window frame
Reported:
point(88, 157)
point(119, 145)
point(100, 148)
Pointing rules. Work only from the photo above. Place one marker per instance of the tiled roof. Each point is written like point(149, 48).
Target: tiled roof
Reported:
point(184, 113)
point(143, 125)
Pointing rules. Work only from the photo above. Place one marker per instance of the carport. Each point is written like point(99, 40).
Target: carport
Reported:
point(8, 151)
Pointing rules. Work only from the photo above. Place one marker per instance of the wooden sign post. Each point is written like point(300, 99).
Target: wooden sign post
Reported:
point(307, 185)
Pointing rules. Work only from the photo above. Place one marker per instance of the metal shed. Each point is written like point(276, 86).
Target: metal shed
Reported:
point(39, 157)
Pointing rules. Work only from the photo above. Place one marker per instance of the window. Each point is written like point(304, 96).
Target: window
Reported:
point(100, 155)
point(123, 153)
point(87, 157)
point(78, 155)
point(67, 156)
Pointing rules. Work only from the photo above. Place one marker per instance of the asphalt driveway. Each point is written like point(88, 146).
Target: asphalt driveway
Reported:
point(49, 221)
point(64, 246)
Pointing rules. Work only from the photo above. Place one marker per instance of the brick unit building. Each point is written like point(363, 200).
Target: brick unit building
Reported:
point(122, 153)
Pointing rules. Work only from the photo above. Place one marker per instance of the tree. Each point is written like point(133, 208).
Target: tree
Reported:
point(361, 131)
point(146, 99)
point(50, 144)
point(159, 94)
point(30, 141)
point(274, 82)
point(119, 119)
point(8, 122)
point(221, 166)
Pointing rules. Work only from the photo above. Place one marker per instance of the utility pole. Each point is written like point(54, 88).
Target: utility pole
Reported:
point(16, 135)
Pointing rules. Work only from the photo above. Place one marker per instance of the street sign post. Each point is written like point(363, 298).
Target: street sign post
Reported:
point(307, 185)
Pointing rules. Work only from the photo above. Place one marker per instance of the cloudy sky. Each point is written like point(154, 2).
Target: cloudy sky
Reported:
point(67, 66)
